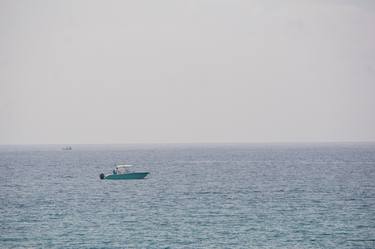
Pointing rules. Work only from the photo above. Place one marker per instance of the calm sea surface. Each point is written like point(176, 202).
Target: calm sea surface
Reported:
point(197, 196)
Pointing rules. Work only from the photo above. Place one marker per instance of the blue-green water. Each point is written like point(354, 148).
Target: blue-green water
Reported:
point(197, 196)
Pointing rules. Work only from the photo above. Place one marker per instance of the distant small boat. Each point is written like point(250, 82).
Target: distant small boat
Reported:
point(123, 172)
point(67, 148)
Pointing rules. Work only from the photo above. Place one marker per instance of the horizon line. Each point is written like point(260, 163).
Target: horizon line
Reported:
point(191, 143)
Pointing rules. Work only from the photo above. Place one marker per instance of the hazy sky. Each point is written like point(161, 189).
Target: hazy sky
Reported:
point(186, 71)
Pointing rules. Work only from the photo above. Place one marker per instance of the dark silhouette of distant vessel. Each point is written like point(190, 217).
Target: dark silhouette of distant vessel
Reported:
point(67, 148)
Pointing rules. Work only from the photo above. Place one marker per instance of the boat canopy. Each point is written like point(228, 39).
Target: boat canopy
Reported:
point(122, 169)
point(123, 166)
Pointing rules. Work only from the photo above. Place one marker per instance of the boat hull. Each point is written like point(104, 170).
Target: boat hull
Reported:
point(128, 176)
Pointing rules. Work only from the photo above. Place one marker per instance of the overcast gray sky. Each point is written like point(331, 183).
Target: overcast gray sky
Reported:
point(186, 71)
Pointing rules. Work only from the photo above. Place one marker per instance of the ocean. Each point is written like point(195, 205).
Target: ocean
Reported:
point(196, 196)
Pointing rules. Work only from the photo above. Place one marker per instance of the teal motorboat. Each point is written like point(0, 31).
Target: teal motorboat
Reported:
point(124, 172)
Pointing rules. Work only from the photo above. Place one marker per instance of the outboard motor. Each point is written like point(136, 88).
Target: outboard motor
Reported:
point(101, 176)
